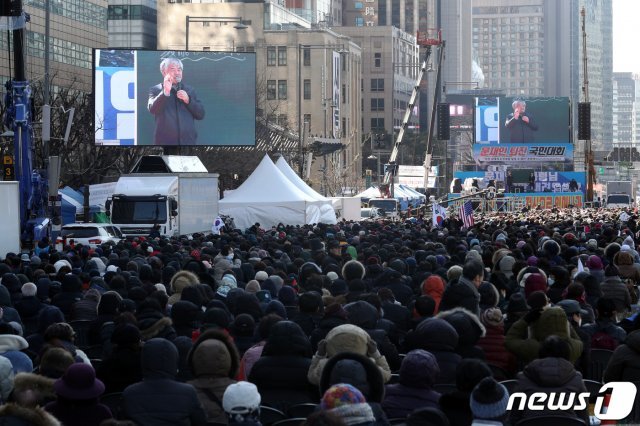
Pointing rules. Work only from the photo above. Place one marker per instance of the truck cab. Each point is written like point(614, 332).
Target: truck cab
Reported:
point(615, 201)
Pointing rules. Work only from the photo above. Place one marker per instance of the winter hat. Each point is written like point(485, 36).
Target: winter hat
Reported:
point(29, 289)
point(332, 275)
point(229, 280)
point(611, 271)
point(517, 303)
point(261, 276)
point(338, 287)
point(341, 394)
point(241, 398)
point(506, 265)
point(60, 264)
point(160, 287)
point(592, 244)
point(532, 261)
point(353, 270)
point(252, 286)
point(79, 382)
point(287, 295)
point(489, 296)
point(594, 263)
point(537, 300)
point(535, 282)
point(470, 372)
point(489, 399)
point(419, 369)
point(126, 335)
point(491, 317)
point(571, 307)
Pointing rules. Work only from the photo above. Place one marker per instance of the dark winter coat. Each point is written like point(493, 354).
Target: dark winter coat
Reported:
point(614, 288)
point(365, 316)
point(153, 324)
point(281, 372)
point(79, 413)
point(624, 364)
point(175, 120)
point(158, 399)
point(120, 369)
point(437, 336)
point(549, 375)
point(607, 326)
point(28, 307)
point(16, 415)
point(71, 292)
point(469, 329)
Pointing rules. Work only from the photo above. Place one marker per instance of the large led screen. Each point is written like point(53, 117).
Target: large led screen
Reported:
point(523, 120)
point(174, 98)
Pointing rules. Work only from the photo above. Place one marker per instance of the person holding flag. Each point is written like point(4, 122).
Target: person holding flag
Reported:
point(439, 214)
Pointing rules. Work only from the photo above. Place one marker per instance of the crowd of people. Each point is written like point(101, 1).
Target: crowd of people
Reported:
point(370, 323)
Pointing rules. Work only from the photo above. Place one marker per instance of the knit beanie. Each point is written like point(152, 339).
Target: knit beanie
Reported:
point(489, 399)
point(535, 282)
point(491, 317)
point(341, 394)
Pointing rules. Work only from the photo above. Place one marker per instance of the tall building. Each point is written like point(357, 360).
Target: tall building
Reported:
point(308, 79)
point(132, 24)
point(76, 27)
point(390, 66)
point(534, 48)
point(624, 103)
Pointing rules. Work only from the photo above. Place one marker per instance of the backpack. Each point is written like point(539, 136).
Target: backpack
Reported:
point(602, 340)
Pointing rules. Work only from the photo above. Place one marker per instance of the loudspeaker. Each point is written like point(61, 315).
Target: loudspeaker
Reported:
point(584, 121)
point(444, 126)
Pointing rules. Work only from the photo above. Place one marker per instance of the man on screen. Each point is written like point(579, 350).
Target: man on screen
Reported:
point(520, 123)
point(175, 107)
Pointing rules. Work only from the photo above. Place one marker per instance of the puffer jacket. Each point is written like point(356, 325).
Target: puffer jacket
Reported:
point(158, 399)
point(614, 288)
point(624, 364)
point(549, 375)
point(524, 340)
point(494, 350)
point(345, 338)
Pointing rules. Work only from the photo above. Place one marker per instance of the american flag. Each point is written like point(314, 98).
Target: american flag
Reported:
point(466, 214)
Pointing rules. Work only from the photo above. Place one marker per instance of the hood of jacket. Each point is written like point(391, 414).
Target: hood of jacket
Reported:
point(433, 286)
point(419, 369)
point(363, 314)
point(356, 370)
point(347, 338)
point(12, 342)
point(552, 321)
point(633, 340)
point(159, 359)
point(437, 334)
point(27, 416)
point(466, 323)
point(32, 389)
point(287, 338)
point(550, 372)
point(213, 355)
point(183, 279)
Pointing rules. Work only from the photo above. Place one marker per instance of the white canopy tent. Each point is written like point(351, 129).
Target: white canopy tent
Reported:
point(286, 169)
point(269, 197)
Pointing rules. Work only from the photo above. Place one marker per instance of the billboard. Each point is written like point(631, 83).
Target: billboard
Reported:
point(174, 98)
point(538, 155)
point(335, 98)
point(522, 120)
point(543, 181)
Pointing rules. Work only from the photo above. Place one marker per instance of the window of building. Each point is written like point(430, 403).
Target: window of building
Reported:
point(283, 120)
point(282, 55)
point(377, 104)
point(271, 90)
point(271, 56)
point(344, 127)
point(358, 5)
point(359, 21)
point(377, 60)
point(306, 57)
point(344, 93)
point(377, 84)
point(307, 120)
point(282, 89)
point(377, 124)
point(307, 89)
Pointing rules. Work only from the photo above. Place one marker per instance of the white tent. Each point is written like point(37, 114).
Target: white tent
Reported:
point(269, 197)
point(286, 169)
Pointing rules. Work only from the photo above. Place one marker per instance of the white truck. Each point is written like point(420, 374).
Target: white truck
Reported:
point(175, 192)
point(390, 207)
point(619, 194)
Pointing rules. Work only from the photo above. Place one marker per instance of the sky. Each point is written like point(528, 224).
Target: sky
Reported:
point(626, 32)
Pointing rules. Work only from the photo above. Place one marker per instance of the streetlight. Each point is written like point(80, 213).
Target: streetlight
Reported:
point(301, 46)
point(240, 23)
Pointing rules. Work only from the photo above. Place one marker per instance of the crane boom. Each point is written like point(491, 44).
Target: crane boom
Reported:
point(390, 172)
